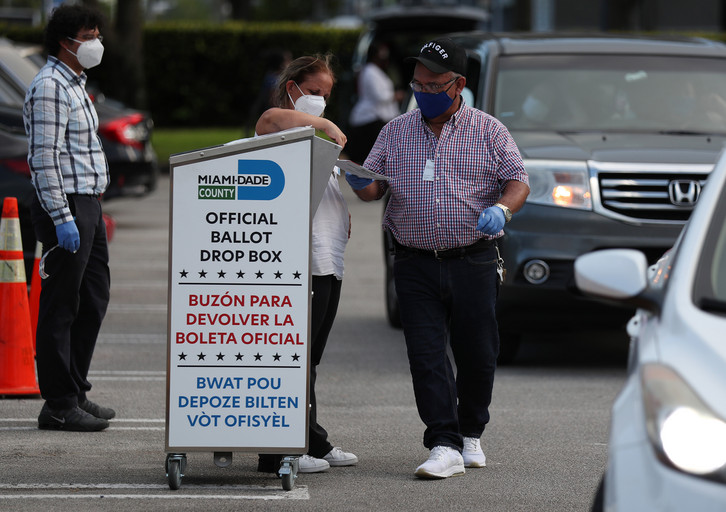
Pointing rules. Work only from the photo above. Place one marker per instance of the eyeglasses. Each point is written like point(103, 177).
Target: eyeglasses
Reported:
point(430, 87)
point(86, 38)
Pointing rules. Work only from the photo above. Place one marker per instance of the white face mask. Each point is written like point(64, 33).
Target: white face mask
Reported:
point(89, 52)
point(313, 105)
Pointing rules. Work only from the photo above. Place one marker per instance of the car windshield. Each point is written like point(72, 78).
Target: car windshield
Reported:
point(710, 286)
point(612, 92)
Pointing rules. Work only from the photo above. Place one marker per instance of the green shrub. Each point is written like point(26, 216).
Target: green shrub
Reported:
point(209, 75)
point(203, 74)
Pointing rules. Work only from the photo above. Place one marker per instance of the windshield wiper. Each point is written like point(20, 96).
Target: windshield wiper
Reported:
point(687, 132)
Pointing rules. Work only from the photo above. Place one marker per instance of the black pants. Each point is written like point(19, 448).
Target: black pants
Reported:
point(73, 302)
point(326, 296)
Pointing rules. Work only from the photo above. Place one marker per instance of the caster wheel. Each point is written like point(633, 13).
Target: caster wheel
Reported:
point(174, 475)
point(288, 482)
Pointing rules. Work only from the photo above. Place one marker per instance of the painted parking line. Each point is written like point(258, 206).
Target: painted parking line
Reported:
point(132, 339)
point(40, 491)
point(131, 424)
point(127, 375)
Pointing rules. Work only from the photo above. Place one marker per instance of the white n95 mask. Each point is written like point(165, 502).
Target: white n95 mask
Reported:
point(89, 52)
point(308, 103)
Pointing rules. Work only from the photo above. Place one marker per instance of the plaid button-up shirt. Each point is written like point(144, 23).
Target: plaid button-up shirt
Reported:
point(472, 160)
point(64, 151)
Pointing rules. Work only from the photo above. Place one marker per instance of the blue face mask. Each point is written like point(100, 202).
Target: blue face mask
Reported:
point(433, 105)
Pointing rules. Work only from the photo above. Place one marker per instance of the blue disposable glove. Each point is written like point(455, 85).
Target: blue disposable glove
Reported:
point(491, 221)
point(356, 182)
point(68, 236)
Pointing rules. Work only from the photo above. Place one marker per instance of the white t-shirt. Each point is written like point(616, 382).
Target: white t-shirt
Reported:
point(331, 225)
point(330, 231)
point(376, 97)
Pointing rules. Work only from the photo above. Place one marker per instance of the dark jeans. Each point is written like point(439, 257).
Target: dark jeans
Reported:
point(73, 302)
point(326, 296)
point(452, 302)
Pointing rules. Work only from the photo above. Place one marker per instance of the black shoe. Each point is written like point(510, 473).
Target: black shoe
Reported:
point(268, 463)
point(74, 419)
point(105, 413)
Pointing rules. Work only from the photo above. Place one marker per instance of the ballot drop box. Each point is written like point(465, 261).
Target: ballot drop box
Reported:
point(239, 297)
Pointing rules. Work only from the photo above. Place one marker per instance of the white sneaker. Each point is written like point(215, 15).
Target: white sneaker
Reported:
point(443, 463)
point(473, 455)
point(337, 457)
point(308, 464)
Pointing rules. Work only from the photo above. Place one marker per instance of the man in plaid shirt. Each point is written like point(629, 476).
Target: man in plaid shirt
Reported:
point(69, 171)
point(455, 177)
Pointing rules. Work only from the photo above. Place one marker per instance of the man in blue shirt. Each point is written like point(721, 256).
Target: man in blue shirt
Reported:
point(69, 172)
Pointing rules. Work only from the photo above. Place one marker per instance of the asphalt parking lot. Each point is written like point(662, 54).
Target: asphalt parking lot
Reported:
point(545, 445)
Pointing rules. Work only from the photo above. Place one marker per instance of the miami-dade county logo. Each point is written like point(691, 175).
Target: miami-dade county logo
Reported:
point(261, 180)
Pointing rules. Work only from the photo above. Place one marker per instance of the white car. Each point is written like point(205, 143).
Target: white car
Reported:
point(667, 446)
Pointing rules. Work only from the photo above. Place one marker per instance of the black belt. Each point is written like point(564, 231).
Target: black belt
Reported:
point(444, 254)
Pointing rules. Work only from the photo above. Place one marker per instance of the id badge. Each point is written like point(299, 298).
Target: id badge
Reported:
point(428, 173)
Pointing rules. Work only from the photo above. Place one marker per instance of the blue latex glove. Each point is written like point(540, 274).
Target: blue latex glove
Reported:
point(491, 221)
point(68, 236)
point(356, 182)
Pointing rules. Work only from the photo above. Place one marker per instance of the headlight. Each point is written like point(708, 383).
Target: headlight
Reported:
point(684, 431)
point(559, 183)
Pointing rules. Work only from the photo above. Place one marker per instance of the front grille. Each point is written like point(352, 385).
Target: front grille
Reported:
point(652, 194)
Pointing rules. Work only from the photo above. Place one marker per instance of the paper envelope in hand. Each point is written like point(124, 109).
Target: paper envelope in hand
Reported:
point(359, 170)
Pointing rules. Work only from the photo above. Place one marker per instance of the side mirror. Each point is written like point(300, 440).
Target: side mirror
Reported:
point(619, 275)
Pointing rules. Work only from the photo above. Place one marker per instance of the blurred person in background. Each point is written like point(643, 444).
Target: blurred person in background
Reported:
point(378, 102)
point(69, 172)
point(303, 89)
point(275, 62)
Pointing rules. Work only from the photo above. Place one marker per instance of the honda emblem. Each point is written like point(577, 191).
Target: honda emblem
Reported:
point(684, 192)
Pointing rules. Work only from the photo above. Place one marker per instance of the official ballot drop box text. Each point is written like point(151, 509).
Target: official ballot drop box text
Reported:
point(239, 292)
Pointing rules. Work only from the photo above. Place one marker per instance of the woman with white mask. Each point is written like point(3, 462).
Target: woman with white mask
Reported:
point(303, 88)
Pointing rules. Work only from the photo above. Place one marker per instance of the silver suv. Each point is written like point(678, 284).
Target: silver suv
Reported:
point(618, 134)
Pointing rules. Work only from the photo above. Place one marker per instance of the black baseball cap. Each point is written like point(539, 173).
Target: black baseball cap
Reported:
point(441, 56)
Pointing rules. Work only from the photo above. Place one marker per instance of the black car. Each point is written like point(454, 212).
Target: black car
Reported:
point(618, 135)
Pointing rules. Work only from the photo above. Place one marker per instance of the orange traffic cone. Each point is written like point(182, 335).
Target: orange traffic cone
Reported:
point(17, 367)
point(34, 297)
